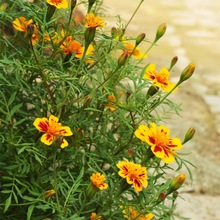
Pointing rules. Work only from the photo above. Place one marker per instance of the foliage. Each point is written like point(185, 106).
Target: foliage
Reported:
point(55, 61)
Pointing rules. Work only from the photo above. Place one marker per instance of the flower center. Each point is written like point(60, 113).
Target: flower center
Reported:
point(57, 2)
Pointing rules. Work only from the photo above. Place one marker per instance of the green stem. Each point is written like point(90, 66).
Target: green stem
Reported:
point(133, 15)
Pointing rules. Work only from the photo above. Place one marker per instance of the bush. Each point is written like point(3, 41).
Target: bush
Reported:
point(82, 132)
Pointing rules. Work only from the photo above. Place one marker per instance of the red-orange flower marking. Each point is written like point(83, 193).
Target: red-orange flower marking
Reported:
point(52, 129)
point(159, 139)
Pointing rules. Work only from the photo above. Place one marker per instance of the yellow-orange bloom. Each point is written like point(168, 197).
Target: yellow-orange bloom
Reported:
point(134, 51)
point(132, 214)
point(110, 104)
point(94, 216)
point(52, 129)
point(93, 21)
point(159, 139)
point(49, 193)
point(159, 79)
point(71, 46)
point(134, 174)
point(58, 3)
point(21, 24)
point(97, 180)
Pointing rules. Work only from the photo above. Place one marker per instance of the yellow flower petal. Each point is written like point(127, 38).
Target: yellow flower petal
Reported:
point(41, 124)
point(58, 3)
point(47, 139)
point(64, 144)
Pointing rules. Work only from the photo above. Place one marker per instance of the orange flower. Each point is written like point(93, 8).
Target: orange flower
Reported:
point(134, 51)
point(52, 129)
point(97, 180)
point(94, 216)
point(93, 21)
point(110, 104)
point(72, 46)
point(134, 173)
point(21, 24)
point(132, 214)
point(160, 79)
point(158, 138)
point(49, 193)
point(58, 3)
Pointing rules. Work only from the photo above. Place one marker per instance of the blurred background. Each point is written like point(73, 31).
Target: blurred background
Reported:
point(193, 34)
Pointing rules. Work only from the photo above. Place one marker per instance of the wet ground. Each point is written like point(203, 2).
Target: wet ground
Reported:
point(193, 33)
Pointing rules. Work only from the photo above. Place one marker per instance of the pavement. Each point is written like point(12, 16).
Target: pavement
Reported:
point(193, 31)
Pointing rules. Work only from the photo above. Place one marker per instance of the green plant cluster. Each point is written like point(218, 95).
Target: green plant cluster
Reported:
point(102, 101)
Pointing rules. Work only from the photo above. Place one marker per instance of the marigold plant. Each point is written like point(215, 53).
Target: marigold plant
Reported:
point(83, 129)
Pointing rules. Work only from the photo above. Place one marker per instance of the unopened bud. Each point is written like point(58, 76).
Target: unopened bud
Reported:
point(73, 4)
point(49, 193)
point(91, 2)
point(50, 11)
point(189, 135)
point(30, 30)
point(122, 59)
point(187, 72)
point(114, 32)
point(162, 197)
point(173, 62)
point(160, 31)
point(87, 101)
point(176, 183)
point(152, 90)
point(130, 152)
point(140, 38)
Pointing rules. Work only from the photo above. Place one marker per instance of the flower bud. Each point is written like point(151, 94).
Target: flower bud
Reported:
point(114, 32)
point(189, 135)
point(91, 2)
point(160, 31)
point(30, 30)
point(139, 39)
point(73, 4)
point(176, 183)
point(152, 90)
point(49, 193)
point(162, 197)
point(173, 62)
point(187, 72)
point(50, 11)
point(122, 59)
point(87, 100)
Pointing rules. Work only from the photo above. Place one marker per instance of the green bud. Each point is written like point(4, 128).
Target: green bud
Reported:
point(176, 183)
point(189, 135)
point(140, 38)
point(30, 30)
point(50, 11)
point(187, 72)
point(114, 32)
point(160, 31)
point(91, 2)
point(173, 62)
point(152, 90)
point(73, 4)
point(122, 59)
point(162, 197)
